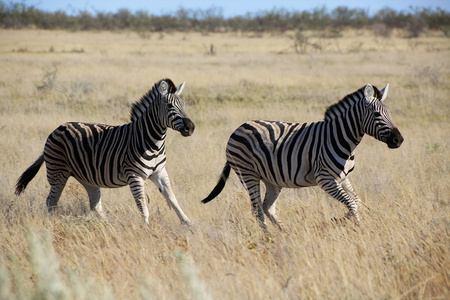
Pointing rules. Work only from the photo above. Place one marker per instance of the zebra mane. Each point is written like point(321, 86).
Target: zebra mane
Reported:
point(139, 108)
point(340, 107)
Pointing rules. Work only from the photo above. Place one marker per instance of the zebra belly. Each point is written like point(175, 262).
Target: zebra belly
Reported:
point(116, 184)
point(295, 176)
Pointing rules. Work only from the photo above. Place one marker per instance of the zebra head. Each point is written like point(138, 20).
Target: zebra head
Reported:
point(377, 120)
point(173, 108)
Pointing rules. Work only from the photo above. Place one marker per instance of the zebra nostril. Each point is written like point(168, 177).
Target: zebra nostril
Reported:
point(395, 140)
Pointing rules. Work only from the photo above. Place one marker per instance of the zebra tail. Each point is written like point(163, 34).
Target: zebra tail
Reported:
point(28, 175)
point(220, 184)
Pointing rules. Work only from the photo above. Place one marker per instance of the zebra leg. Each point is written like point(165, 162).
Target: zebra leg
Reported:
point(161, 180)
point(334, 189)
point(272, 193)
point(254, 190)
point(95, 201)
point(57, 183)
point(53, 196)
point(349, 189)
point(137, 189)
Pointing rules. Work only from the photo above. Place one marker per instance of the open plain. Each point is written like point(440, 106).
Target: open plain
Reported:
point(401, 250)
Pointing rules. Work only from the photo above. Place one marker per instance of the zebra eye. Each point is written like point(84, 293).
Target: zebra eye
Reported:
point(376, 114)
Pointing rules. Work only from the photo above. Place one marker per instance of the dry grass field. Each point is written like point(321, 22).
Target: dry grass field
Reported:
point(401, 250)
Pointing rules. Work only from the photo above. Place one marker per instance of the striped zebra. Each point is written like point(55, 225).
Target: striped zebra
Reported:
point(105, 156)
point(294, 155)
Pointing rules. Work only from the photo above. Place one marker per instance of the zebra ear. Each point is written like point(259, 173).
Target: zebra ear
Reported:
point(384, 92)
point(369, 94)
point(180, 88)
point(163, 88)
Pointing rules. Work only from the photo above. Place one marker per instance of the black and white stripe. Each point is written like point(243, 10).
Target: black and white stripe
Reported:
point(104, 156)
point(293, 155)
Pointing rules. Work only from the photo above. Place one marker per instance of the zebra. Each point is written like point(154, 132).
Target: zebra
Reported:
point(106, 156)
point(294, 155)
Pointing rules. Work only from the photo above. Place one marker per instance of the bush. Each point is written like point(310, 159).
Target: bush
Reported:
point(20, 15)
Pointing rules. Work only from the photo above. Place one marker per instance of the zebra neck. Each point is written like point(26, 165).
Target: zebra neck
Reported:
point(149, 136)
point(345, 132)
point(347, 114)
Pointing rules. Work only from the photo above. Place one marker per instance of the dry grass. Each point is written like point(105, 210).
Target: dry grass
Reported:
point(401, 249)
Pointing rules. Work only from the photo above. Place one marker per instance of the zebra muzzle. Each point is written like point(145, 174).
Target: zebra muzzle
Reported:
point(395, 139)
point(188, 127)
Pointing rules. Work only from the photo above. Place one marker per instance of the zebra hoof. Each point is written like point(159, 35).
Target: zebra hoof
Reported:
point(188, 223)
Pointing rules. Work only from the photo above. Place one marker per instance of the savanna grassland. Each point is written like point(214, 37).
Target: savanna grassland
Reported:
point(401, 250)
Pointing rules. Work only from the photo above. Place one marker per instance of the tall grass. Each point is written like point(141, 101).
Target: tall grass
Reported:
point(400, 250)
